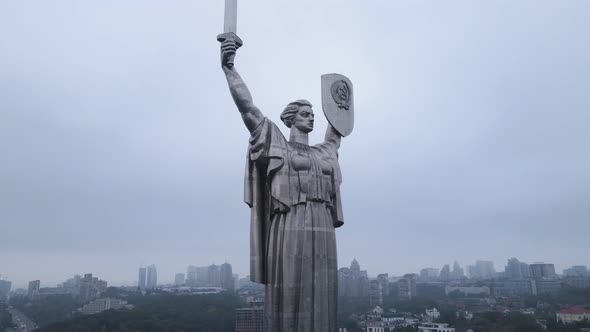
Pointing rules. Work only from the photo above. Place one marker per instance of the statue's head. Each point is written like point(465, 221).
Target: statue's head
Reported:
point(299, 114)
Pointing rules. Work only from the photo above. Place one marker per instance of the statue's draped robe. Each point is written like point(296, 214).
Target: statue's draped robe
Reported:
point(294, 193)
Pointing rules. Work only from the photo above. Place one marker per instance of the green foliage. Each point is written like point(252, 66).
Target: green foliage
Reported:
point(161, 312)
point(46, 310)
point(5, 320)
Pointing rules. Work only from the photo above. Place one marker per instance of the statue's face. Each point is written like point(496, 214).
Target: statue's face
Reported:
point(303, 119)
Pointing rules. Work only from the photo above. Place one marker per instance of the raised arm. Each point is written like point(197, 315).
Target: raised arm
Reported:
point(332, 136)
point(239, 91)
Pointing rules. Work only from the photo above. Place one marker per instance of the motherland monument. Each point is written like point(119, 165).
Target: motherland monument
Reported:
point(293, 190)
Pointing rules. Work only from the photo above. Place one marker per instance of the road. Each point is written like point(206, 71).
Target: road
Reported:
point(22, 322)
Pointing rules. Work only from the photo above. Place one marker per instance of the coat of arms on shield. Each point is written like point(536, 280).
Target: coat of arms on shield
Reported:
point(338, 102)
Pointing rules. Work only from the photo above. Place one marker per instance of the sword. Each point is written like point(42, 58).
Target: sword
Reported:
point(230, 27)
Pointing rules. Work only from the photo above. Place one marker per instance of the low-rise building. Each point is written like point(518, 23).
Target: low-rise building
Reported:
point(469, 290)
point(573, 314)
point(100, 305)
point(435, 327)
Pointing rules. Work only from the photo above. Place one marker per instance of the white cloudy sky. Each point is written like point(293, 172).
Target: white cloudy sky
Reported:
point(120, 145)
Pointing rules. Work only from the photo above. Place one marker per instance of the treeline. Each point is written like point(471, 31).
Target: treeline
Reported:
point(161, 312)
point(46, 310)
point(5, 320)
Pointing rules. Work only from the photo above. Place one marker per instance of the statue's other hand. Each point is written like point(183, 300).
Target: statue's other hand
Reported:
point(228, 52)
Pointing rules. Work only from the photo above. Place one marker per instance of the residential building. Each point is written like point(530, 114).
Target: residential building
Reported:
point(226, 277)
point(384, 281)
point(573, 314)
point(142, 279)
point(445, 273)
point(546, 286)
point(576, 271)
point(213, 276)
point(100, 305)
point(34, 287)
point(542, 271)
point(91, 288)
point(457, 273)
point(5, 287)
point(514, 287)
point(577, 282)
point(407, 287)
point(435, 327)
point(429, 274)
point(179, 279)
point(250, 319)
point(516, 269)
point(467, 290)
point(432, 314)
point(375, 293)
point(152, 277)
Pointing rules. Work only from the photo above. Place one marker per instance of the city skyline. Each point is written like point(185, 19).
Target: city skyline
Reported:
point(500, 270)
point(121, 145)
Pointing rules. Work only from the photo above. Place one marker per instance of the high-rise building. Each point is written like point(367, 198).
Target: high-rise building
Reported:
point(250, 319)
point(141, 282)
point(226, 277)
point(179, 279)
point(576, 271)
point(5, 286)
point(34, 287)
point(445, 273)
point(482, 270)
point(152, 277)
point(91, 288)
point(542, 271)
point(407, 287)
point(457, 273)
point(517, 270)
point(375, 293)
point(191, 275)
point(429, 274)
point(213, 276)
point(384, 281)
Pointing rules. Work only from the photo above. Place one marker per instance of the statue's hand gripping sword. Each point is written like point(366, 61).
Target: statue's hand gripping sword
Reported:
point(230, 27)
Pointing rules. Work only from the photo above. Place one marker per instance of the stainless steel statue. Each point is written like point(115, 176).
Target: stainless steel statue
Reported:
point(293, 190)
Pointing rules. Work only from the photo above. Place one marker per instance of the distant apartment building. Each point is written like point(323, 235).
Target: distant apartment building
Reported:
point(482, 270)
point(34, 287)
point(429, 274)
point(226, 277)
point(384, 282)
point(514, 287)
point(457, 273)
point(250, 319)
point(577, 282)
point(179, 279)
point(152, 277)
point(576, 271)
point(91, 288)
point(517, 270)
point(542, 271)
point(100, 305)
point(546, 286)
point(572, 315)
point(407, 287)
point(435, 327)
point(141, 283)
point(352, 282)
point(5, 287)
point(467, 290)
point(375, 293)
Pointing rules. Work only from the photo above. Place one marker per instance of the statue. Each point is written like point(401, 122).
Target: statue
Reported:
point(293, 190)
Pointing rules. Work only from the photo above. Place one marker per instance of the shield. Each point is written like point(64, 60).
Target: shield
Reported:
point(338, 102)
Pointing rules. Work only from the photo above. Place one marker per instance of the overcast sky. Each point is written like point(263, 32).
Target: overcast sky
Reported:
point(120, 144)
